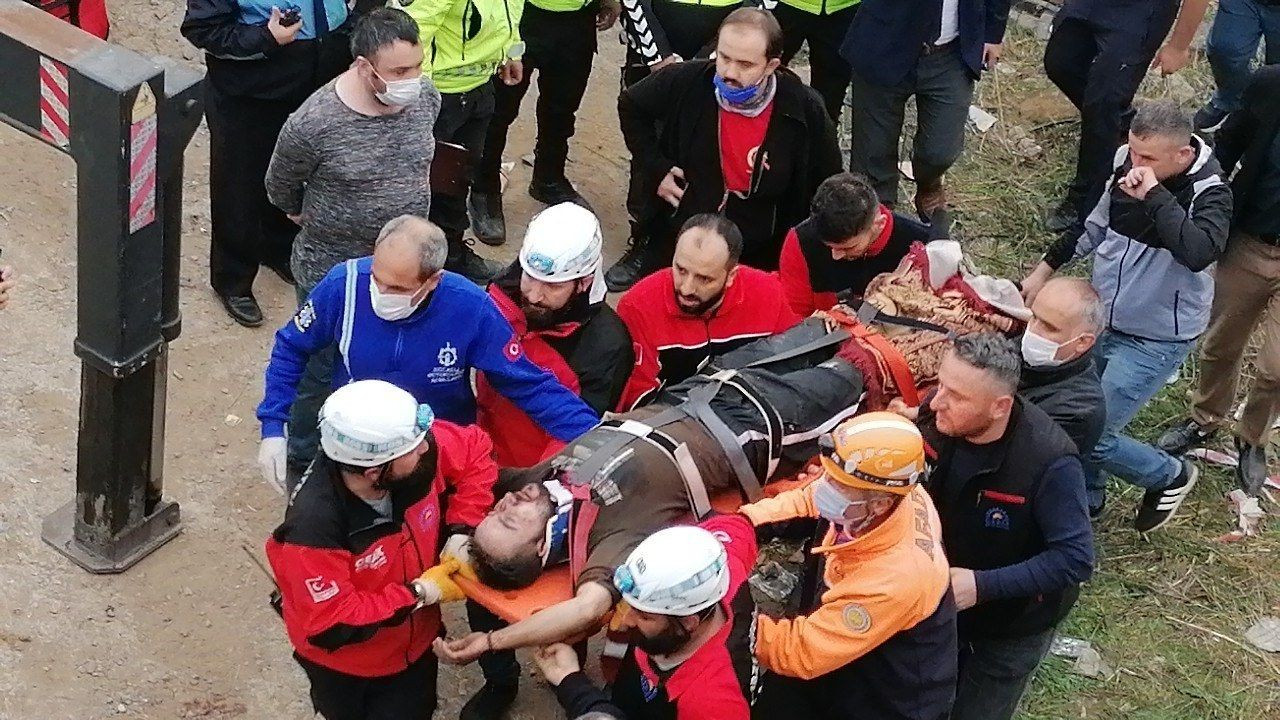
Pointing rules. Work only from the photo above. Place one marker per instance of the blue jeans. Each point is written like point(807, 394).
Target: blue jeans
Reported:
point(1233, 44)
point(1133, 371)
point(994, 674)
point(313, 387)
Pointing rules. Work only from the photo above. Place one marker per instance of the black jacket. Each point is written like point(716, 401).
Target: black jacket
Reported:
point(1071, 394)
point(1246, 138)
point(671, 119)
point(886, 36)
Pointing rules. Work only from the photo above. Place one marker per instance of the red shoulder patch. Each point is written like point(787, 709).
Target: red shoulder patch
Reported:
point(513, 350)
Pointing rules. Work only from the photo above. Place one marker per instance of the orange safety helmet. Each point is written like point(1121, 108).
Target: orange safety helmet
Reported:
point(877, 451)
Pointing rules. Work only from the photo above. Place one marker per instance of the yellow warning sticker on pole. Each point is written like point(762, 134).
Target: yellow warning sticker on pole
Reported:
point(144, 105)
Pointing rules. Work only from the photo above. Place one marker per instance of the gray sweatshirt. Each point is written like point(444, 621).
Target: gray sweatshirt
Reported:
point(348, 174)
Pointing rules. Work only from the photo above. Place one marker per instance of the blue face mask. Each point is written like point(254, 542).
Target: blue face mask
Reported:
point(831, 504)
point(734, 95)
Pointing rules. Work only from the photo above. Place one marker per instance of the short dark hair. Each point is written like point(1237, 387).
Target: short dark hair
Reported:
point(513, 573)
point(381, 27)
point(1162, 118)
point(843, 206)
point(722, 226)
point(994, 354)
point(762, 20)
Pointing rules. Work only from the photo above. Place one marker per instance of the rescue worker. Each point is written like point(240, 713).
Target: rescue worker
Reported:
point(737, 135)
point(554, 297)
point(561, 41)
point(878, 636)
point(680, 588)
point(1097, 55)
point(821, 24)
point(361, 529)
point(475, 48)
point(651, 468)
point(260, 68)
point(658, 33)
point(397, 316)
point(848, 239)
point(706, 304)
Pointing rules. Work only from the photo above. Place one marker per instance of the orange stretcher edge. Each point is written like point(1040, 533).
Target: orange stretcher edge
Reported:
point(555, 586)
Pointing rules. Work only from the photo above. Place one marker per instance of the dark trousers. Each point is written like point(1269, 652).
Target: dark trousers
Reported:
point(247, 230)
point(829, 74)
point(994, 674)
point(1098, 64)
point(463, 120)
point(943, 89)
point(407, 695)
point(559, 48)
point(691, 31)
point(314, 388)
point(497, 667)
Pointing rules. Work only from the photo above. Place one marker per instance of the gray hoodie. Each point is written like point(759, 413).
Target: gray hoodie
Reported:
point(1154, 258)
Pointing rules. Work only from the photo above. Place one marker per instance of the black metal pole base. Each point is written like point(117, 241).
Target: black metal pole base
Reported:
point(128, 548)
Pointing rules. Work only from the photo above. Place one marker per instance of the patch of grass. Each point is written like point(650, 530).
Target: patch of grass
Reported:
point(1131, 610)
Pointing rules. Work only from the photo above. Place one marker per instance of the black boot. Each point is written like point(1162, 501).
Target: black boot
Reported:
point(487, 220)
point(464, 261)
point(491, 701)
point(554, 191)
point(629, 268)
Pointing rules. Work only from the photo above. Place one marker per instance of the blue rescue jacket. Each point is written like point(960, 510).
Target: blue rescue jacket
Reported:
point(429, 353)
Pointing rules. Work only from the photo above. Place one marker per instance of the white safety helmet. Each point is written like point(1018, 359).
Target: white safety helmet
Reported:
point(562, 243)
point(678, 571)
point(370, 422)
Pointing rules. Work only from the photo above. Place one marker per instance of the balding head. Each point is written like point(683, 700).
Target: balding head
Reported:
point(1069, 313)
point(408, 256)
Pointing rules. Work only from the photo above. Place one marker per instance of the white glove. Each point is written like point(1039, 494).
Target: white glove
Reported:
point(272, 455)
point(458, 547)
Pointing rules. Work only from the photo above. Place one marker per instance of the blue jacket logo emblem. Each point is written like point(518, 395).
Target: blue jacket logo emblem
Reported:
point(448, 355)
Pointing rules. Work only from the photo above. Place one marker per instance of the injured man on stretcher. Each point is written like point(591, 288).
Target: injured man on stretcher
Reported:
point(751, 416)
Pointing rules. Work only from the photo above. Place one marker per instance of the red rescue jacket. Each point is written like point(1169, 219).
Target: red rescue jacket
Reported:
point(88, 15)
point(589, 353)
point(343, 569)
point(670, 344)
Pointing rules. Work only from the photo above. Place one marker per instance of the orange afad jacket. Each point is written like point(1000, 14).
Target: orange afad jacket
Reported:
point(878, 584)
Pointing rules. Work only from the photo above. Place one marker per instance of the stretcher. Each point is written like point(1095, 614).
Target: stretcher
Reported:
point(555, 585)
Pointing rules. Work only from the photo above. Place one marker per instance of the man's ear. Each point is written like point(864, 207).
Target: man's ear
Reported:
point(1002, 406)
point(731, 276)
point(1084, 342)
point(772, 65)
point(432, 282)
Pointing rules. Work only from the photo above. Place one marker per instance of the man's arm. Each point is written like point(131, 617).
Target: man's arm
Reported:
point(1060, 511)
point(1176, 53)
point(644, 32)
point(563, 621)
point(784, 506)
point(466, 462)
point(793, 273)
point(641, 108)
point(1196, 239)
point(214, 26)
point(1241, 127)
point(537, 392)
point(429, 15)
point(996, 18)
point(309, 331)
point(643, 377)
point(606, 366)
point(292, 164)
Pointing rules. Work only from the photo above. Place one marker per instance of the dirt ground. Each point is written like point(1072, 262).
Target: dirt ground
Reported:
point(186, 633)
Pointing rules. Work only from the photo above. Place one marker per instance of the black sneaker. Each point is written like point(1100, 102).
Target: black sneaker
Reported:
point(1209, 118)
point(629, 268)
point(487, 219)
point(1062, 218)
point(1181, 439)
point(490, 702)
point(1251, 471)
point(464, 261)
point(1159, 506)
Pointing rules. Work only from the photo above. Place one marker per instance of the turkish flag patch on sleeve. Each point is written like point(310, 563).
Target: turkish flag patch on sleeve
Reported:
point(513, 349)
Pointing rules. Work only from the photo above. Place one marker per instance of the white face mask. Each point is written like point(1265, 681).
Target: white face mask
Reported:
point(399, 93)
point(1041, 351)
point(392, 307)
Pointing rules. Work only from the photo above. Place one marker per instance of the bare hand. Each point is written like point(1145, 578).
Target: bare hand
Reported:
point(297, 219)
point(6, 284)
point(462, 651)
point(964, 586)
point(1138, 182)
point(1171, 59)
point(608, 14)
point(991, 55)
point(664, 62)
point(900, 407)
point(511, 72)
point(1032, 283)
point(670, 189)
point(557, 661)
point(283, 35)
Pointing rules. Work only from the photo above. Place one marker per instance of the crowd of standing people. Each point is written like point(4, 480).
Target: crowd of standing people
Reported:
point(426, 409)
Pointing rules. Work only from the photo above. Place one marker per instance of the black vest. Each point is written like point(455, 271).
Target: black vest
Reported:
point(826, 274)
point(987, 520)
